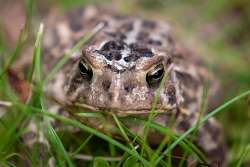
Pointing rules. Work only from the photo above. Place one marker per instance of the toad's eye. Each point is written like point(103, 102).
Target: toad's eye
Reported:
point(85, 70)
point(155, 76)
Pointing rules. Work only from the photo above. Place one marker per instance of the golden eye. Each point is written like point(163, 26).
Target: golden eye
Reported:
point(155, 76)
point(85, 70)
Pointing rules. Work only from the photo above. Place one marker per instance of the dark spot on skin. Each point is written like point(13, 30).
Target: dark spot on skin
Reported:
point(133, 46)
point(77, 79)
point(110, 96)
point(117, 56)
point(119, 17)
point(217, 154)
point(121, 36)
point(113, 45)
point(132, 57)
point(112, 50)
point(75, 82)
point(111, 34)
point(129, 87)
point(170, 39)
point(178, 152)
point(105, 22)
point(186, 79)
point(106, 84)
point(149, 24)
point(72, 88)
point(75, 26)
point(110, 55)
point(132, 68)
point(108, 46)
point(128, 26)
point(142, 36)
point(171, 92)
point(184, 125)
point(140, 51)
point(116, 35)
point(154, 42)
point(169, 61)
point(29, 135)
point(145, 52)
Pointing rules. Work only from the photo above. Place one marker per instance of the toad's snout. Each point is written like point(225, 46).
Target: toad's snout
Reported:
point(116, 89)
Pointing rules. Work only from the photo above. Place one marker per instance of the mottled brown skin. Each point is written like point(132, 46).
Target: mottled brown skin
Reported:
point(120, 69)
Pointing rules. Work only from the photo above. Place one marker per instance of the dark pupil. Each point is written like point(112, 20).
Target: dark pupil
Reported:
point(85, 71)
point(154, 78)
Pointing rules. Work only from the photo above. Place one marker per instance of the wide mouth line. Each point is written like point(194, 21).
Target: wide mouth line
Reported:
point(121, 111)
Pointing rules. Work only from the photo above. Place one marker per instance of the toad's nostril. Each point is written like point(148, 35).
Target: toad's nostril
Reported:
point(106, 84)
point(128, 88)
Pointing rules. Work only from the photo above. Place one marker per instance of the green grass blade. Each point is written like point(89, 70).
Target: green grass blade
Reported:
point(36, 56)
point(82, 145)
point(96, 133)
point(211, 114)
point(152, 111)
point(21, 39)
point(58, 147)
point(125, 136)
point(99, 162)
point(244, 153)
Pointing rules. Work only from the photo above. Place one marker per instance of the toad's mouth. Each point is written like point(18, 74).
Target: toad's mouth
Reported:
point(81, 107)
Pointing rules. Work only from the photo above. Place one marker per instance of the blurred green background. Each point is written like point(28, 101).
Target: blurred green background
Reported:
point(218, 30)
